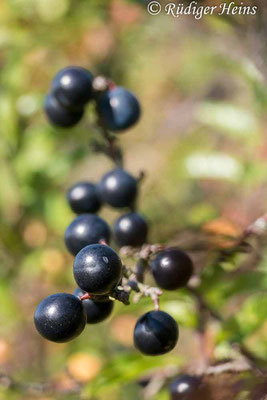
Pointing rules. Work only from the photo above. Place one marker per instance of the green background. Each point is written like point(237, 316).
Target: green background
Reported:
point(202, 143)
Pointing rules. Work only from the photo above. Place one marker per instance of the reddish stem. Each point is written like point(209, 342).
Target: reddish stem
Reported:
point(85, 296)
point(156, 302)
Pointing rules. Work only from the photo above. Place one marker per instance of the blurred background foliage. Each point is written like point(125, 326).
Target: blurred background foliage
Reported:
point(202, 143)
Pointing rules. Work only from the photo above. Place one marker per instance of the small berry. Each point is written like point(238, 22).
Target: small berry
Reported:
point(131, 230)
point(84, 230)
point(96, 311)
point(83, 198)
point(72, 86)
point(172, 269)
point(60, 317)
point(60, 116)
point(97, 269)
point(119, 109)
point(155, 333)
point(118, 188)
point(184, 387)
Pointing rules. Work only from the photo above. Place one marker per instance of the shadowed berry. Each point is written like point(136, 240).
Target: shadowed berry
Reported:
point(84, 230)
point(60, 116)
point(131, 230)
point(185, 387)
point(119, 109)
point(172, 269)
point(72, 87)
point(96, 311)
point(155, 333)
point(118, 188)
point(60, 317)
point(83, 198)
point(97, 269)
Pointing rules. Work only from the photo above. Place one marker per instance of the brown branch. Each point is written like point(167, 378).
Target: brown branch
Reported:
point(236, 366)
point(203, 307)
point(145, 252)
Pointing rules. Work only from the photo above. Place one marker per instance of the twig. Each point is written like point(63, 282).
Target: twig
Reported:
point(251, 359)
point(258, 227)
point(204, 307)
point(145, 252)
point(237, 366)
point(111, 149)
point(140, 269)
point(132, 284)
point(34, 388)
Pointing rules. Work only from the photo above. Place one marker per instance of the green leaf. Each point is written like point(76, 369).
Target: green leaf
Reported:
point(246, 321)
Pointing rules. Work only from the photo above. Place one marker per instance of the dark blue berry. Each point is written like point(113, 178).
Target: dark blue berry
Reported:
point(60, 317)
point(185, 387)
point(72, 86)
point(119, 109)
point(96, 311)
point(97, 269)
point(131, 230)
point(84, 230)
point(83, 197)
point(172, 269)
point(155, 333)
point(60, 116)
point(118, 188)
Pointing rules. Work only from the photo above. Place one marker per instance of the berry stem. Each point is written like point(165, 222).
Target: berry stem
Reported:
point(156, 302)
point(85, 296)
point(103, 242)
point(101, 84)
point(139, 270)
point(112, 150)
point(140, 288)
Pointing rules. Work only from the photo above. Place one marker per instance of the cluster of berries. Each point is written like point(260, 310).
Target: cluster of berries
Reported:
point(97, 268)
point(73, 87)
point(117, 189)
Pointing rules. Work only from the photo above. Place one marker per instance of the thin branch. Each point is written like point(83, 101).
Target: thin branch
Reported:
point(111, 148)
point(236, 366)
point(34, 388)
point(140, 269)
point(205, 308)
point(145, 252)
point(132, 284)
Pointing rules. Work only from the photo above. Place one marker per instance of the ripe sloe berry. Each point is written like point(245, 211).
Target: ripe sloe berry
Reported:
point(83, 198)
point(72, 87)
point(59, 115)
point(172, 269)
point(119, 109)
point(118, 188)
point(97, 269)
point(96, 311)
point(60, 317)
point(184, 387)
point(155, 333)
point(84, 230)
point(131, 230)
